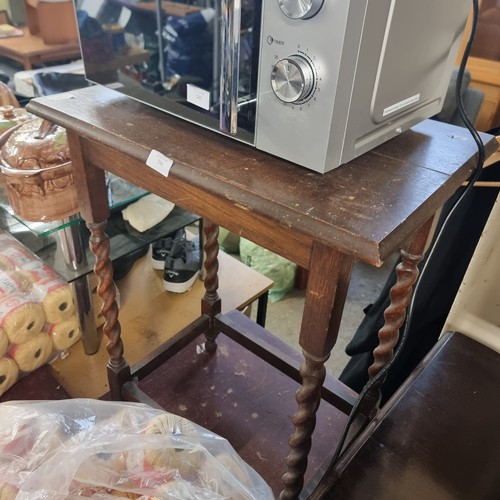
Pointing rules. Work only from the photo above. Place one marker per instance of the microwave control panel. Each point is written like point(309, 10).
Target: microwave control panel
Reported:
point(294, 78)
point(300, 58)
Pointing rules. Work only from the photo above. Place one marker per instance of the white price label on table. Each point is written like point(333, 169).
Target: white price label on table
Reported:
point(159, 162)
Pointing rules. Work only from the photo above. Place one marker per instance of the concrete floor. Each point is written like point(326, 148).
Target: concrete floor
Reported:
point(284, 316)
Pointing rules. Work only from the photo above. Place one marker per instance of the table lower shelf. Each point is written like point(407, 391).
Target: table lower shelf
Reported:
point(241, 397)
point(233, 392)
point(149, 316)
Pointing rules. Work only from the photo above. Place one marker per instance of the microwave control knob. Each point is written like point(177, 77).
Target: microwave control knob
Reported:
point(292, 79)
point(300, 9)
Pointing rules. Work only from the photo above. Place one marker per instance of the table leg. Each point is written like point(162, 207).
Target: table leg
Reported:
point(211, 303)
point(26, 62)
point(92, 197)
point(118, 369)
point(412, 253)
point(262, 309)
point(327, 286)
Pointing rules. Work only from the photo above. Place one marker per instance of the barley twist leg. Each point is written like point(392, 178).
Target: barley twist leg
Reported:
point(401, 293)
point(211, 304)
point(118, 369)
point(407, 273)
point(308, 397)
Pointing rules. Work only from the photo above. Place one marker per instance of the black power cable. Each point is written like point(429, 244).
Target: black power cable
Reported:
point(380, 376)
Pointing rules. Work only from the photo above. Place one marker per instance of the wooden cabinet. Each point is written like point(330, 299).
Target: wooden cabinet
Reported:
point(484, 63)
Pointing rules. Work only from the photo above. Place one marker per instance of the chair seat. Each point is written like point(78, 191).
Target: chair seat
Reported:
point(437, 438)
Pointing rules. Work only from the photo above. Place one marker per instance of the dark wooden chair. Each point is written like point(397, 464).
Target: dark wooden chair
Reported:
point(438, 437)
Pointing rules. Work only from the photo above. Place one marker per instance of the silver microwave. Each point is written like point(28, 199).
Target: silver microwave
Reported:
point(316, 82)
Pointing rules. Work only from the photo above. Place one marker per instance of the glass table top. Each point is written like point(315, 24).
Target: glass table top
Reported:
point(120, 194)
point(50, 241)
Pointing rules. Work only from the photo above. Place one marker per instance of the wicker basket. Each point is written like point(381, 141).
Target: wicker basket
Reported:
point(37, 170)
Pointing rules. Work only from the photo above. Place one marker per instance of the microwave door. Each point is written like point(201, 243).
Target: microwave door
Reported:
point(207, 4)
point(226, 100)
point(196, 59)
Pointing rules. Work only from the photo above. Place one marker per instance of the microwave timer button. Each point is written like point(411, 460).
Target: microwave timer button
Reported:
point(292, 79)
point(300, 9)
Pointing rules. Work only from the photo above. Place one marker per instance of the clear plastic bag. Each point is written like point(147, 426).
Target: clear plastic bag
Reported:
point(83, 448)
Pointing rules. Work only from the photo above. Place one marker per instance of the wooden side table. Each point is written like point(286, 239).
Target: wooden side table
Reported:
point(30, 49)
point(364, 210)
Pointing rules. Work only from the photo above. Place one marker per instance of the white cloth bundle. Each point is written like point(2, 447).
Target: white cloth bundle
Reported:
point(147, 212)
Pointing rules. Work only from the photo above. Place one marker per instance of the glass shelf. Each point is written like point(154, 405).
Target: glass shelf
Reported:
point(120, 194)
point(50, 241)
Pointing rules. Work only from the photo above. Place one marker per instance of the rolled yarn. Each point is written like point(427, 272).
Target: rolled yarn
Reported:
point(55, 294)
point(65, 334)
point(15, 256)
point(7, 491)
point(184, 460)
point(21, 317)
point(32, 354)
point(52, 291)
point(14, 282)
point(9, 371)
point(4, 342)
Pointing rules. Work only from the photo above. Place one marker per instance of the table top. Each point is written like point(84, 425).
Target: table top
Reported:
point(32, 45)
point(364, 208)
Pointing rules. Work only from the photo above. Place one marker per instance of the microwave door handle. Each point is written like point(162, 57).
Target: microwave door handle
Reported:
point(161, 45)
point(230, 64)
